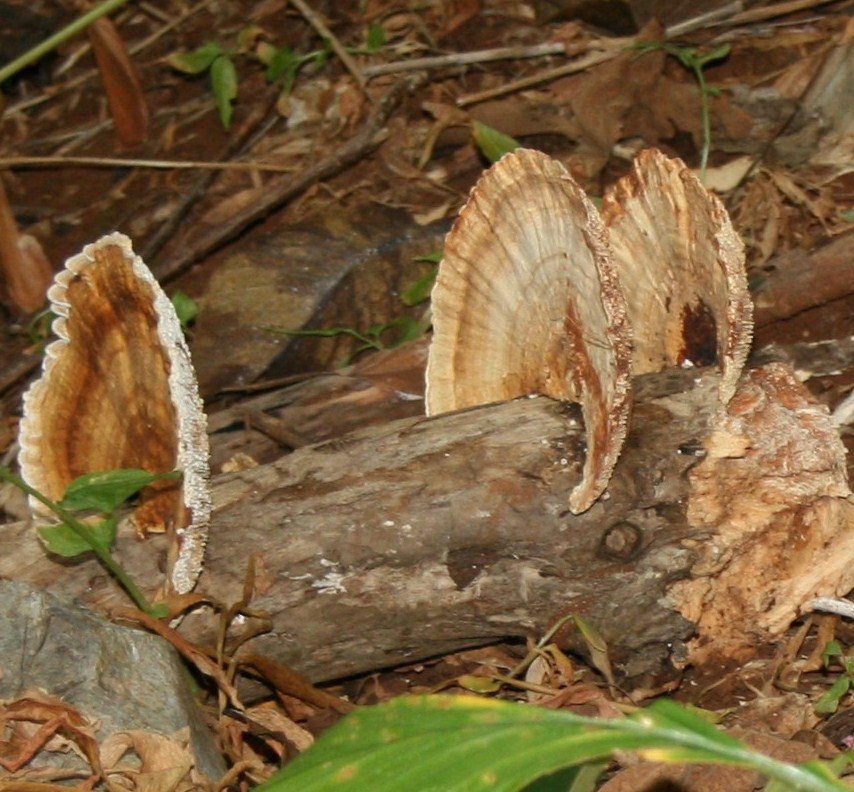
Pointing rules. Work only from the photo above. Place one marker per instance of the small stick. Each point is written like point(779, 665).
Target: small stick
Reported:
point(609, 48)
point(119, 162)
point(90, 73)
point(463, 58)
point(776, 10)
point(592, 59)
point(323, 31)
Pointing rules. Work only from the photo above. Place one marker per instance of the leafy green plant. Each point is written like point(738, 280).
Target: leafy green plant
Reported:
point(834, 654)
point(102, 493)
point(449, 743)
point(283, 64)
point(691, 58)
point(212, 58)
point(405, 329)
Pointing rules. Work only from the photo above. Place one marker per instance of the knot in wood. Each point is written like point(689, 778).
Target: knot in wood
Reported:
point(622, 541)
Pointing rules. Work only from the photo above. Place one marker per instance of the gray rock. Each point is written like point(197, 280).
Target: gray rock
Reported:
point(125, 678)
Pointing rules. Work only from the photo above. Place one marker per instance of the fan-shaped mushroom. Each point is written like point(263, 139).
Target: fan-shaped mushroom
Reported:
point(117, 391)
point(526, 301)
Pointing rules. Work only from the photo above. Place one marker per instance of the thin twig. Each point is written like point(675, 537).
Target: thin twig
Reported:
point(81, 23)
point(279, 192)
point(591, 59)
point(465, 58)
point(338, 48)
point(244, 137)
point(707, 19)
point(90, 73)
point(775, 10)
point(608, 49)
point(119, 162)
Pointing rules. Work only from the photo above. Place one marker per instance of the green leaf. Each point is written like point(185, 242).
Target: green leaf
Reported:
point(598, 647)
point(198, 60)
point(105, 490)
point(224, 83)
point(284, 62)
point(419, 291)
point(583, 778)
point(831, 649)
point(828, 702)
point(492, 143)
point(718, 53)
point(185, 307)
point(408, 329)
point(63, 540)
point(478, 684)
point(434, 258)
point(440, 743)
point(326, 332)
point(376, 37)
point(38, 328)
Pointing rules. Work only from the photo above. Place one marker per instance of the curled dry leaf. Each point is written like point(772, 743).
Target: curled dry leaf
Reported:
point(681, 264)
point(121, 82)
point(118, 391)
point(23, 264)
point(37, 722)
point(527, 300)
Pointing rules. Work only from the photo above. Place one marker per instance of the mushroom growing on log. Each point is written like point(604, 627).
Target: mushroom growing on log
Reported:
point(405, 540)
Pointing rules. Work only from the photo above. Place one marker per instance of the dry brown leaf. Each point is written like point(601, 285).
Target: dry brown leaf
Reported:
point(34, 721)
point(164, 763)
point(276, 722)
point(23, 264)
point(121, 83)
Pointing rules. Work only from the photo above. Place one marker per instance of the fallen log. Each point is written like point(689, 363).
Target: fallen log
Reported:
point(422, 536)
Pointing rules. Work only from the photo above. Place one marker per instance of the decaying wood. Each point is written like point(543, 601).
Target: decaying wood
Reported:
point(421, 536)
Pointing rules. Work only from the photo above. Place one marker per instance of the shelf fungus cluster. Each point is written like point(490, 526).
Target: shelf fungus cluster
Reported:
point(118, 390)
point(541, 293)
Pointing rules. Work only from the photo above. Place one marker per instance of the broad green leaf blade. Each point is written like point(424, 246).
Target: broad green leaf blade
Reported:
point(105, 490)
point(491, 142)
point(64, 541)
point(449, 743)
point(198, 60)
point(224, 83)
point(569, 779)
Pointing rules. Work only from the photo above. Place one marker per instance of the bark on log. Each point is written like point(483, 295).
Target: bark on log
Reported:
point(423, 536)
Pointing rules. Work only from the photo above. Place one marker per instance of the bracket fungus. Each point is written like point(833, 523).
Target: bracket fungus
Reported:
point(118, 390)
point(540, 293)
